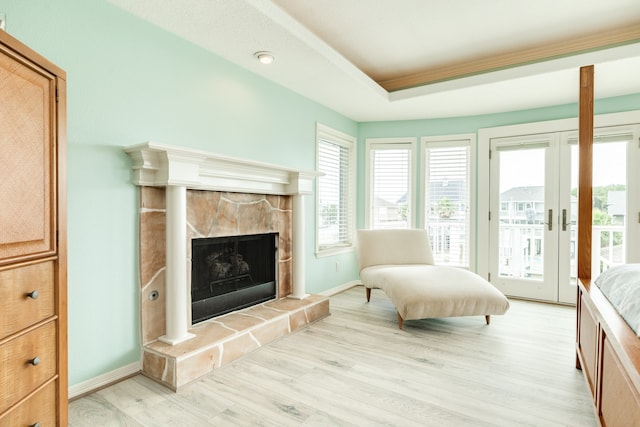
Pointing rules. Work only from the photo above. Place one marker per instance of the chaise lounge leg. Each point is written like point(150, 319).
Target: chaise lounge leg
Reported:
point(488, 319)
point(368, 292)
point(400, 320)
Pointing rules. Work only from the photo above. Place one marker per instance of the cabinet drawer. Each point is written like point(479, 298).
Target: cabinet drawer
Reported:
point(18, 309)
point(39, 408)
point(20, 373)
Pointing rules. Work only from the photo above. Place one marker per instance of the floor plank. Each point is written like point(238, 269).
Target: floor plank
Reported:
point(356, 367)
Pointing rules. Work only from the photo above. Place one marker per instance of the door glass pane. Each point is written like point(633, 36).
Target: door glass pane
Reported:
point(522, 213)
point(609, 205)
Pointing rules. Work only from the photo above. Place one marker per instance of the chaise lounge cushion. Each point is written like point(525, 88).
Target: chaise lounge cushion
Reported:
point(400, 262)
point(421, 291)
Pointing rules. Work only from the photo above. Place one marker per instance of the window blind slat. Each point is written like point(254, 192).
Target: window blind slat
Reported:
point(335, 187)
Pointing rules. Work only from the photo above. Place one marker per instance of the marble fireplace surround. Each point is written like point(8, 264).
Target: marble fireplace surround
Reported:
point(188, 194)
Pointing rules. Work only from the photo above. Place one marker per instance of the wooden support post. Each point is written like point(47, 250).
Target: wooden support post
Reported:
point(585, 173)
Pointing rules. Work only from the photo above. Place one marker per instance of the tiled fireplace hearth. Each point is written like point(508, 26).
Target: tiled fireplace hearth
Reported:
point(188, 194)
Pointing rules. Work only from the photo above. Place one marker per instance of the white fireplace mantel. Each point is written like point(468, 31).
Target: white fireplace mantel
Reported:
point(164, 165)
point(179, 169)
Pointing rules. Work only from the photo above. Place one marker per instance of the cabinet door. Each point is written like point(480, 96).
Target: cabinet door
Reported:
point(587, 342)
point(619, 399)
point(27, 159)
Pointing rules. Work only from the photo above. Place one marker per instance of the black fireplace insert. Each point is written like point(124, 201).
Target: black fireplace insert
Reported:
point(231, 273)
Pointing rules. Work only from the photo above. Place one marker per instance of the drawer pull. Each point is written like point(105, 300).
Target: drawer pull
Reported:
point(35, 361)
point(35, 425)
point(33, 294)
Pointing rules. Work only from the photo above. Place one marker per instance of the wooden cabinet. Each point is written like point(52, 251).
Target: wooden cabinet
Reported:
point(33, 260)
point(608, 352)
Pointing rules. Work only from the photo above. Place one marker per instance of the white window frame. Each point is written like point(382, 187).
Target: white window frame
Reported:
point(325, 133)
point(467, 139)
point(391, 143)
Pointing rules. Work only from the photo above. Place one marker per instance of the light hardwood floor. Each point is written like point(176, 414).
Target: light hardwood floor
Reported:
point(356, 368)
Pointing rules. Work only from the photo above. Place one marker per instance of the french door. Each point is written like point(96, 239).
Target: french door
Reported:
point(533, 210)
point(532, 224)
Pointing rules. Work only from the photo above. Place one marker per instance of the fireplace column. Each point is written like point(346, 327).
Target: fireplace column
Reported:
point(298, 291)
point(176, 284)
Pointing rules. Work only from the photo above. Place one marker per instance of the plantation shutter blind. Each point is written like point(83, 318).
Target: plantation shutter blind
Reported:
point(448, 175)
point(391, 190)
point(335, 202)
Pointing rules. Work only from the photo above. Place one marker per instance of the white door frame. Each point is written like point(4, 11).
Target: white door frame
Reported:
point(631, 118)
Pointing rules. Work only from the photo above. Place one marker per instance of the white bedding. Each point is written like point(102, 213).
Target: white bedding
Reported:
point(621, 286)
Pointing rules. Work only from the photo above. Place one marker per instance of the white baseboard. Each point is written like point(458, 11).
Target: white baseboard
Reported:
point(340, 288)
point(105, 379)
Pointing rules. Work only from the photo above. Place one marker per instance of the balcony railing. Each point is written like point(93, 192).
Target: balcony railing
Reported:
point(608, 248)
point(521, 247)
point(449, 242)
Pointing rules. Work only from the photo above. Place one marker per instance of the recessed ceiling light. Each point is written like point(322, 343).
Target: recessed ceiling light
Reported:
point(265, 57)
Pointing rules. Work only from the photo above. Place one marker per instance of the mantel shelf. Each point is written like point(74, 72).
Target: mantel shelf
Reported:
point(159, 165)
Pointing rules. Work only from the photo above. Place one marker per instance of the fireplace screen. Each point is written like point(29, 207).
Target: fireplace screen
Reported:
point(230, 273)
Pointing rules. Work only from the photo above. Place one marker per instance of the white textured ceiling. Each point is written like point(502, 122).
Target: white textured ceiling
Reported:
point(340, 52)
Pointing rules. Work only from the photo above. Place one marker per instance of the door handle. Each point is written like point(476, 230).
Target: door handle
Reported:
point(550, 220)
point(564, 220)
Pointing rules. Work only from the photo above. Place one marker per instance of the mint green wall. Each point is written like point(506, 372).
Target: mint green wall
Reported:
point(130, 82)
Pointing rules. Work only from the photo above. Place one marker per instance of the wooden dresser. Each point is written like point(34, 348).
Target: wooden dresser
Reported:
point(33, 249)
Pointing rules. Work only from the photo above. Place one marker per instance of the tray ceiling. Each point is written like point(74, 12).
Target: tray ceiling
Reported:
point(410, 59)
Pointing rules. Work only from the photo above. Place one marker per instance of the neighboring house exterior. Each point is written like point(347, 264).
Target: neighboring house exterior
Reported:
point(447, 199)
point(522, 205)
point(617, 206)
point(525, 205)
point(386, 211)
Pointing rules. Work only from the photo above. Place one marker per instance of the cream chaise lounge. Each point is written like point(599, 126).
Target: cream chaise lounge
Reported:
point(400, 262)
